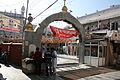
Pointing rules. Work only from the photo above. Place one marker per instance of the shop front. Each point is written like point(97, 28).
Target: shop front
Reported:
point(113, 42)
point(95, 51)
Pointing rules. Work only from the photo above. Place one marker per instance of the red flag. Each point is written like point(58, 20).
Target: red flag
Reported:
point(63, 33)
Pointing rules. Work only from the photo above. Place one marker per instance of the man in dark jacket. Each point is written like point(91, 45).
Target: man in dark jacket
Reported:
point(48, 61)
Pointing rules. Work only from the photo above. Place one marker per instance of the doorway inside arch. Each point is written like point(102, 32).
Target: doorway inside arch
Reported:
point(63, 37)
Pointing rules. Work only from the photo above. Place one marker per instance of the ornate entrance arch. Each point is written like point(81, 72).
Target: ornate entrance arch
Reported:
point(35, 37)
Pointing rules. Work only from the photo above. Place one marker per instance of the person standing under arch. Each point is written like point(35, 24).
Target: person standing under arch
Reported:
point(54, 60)
point(37, 56)
point(48, 62)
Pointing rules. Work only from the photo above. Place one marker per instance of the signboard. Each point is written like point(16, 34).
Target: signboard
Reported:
point(63, 33)
point(9, 24)
point(9, 29)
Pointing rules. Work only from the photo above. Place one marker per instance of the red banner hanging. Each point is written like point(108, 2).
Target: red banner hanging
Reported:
point(63, 33)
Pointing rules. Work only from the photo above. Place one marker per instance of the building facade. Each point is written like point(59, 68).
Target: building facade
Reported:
point(11, 24)
point(102, 36)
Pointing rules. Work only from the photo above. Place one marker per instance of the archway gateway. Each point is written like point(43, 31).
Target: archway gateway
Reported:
point(35, 37)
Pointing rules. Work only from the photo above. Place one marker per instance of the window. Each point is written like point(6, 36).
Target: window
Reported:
point(87, 51)
point(114, 26)
point(94, 51)
point(100, 51)
point(118, 24)
point(108, 25)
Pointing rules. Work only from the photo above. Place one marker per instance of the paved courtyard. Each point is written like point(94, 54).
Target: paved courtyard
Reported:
point(65, 71)
point(106, 76)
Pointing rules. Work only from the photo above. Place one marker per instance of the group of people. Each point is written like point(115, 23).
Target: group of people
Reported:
point(50, 59)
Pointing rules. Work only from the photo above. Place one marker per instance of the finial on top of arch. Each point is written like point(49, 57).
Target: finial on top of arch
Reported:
point(64, 9)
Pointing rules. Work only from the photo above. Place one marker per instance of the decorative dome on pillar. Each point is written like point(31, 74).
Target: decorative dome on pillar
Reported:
point(30, 19)
point(29, 26)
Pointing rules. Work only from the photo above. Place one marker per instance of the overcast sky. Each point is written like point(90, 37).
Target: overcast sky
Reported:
point(78, 7)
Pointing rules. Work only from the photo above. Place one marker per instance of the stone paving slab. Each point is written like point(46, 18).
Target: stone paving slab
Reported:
point(112, 75)
point(81, 73)
point(105, 76)
point(41, 77)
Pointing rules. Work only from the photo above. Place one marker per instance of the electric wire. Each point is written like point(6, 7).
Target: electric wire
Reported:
point(46, 9)
point(50, 6)
point(34, 4)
